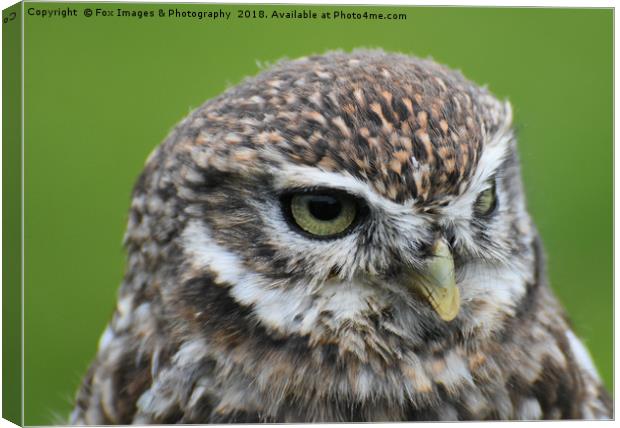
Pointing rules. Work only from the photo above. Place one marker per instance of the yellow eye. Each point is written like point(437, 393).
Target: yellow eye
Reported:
point(322, 214)
point(487, 201)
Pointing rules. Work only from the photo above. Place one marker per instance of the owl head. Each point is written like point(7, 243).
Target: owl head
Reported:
point(359, 202)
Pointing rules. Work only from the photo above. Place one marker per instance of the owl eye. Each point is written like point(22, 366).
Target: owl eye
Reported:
point(486, 203)
point(321, 214)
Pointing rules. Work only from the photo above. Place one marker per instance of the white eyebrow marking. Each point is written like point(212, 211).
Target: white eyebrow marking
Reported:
point(492, 157)
point(494, 152)
point(307, 176)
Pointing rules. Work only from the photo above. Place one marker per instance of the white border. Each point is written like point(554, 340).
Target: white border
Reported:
point(478, 3)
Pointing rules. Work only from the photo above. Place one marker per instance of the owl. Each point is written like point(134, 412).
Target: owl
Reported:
point(343, 237)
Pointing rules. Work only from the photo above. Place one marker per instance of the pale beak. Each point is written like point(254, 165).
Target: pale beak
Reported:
point(437, 284)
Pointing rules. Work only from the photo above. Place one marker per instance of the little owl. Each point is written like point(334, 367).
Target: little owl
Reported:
point(342, 238)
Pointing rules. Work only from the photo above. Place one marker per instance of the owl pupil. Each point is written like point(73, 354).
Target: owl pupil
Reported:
point(324, 207)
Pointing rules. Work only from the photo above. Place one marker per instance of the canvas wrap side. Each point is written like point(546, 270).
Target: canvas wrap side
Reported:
point(12, 21)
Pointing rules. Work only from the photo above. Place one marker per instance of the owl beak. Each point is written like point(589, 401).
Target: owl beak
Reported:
point(437, 283)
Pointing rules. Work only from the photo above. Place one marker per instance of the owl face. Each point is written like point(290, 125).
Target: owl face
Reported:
point(329, 198)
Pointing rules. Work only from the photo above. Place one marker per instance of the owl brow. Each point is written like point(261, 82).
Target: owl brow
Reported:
point(304, 177)
point(489, 167)
point(318, 188)
point(491, 160)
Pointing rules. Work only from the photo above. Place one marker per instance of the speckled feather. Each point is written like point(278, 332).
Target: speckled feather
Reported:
point(226, 315)
point(408, 127)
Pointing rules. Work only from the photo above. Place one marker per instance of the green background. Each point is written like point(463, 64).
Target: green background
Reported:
point(101, 93)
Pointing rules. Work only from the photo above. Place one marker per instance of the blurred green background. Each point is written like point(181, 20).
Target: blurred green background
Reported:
point(102, 92)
